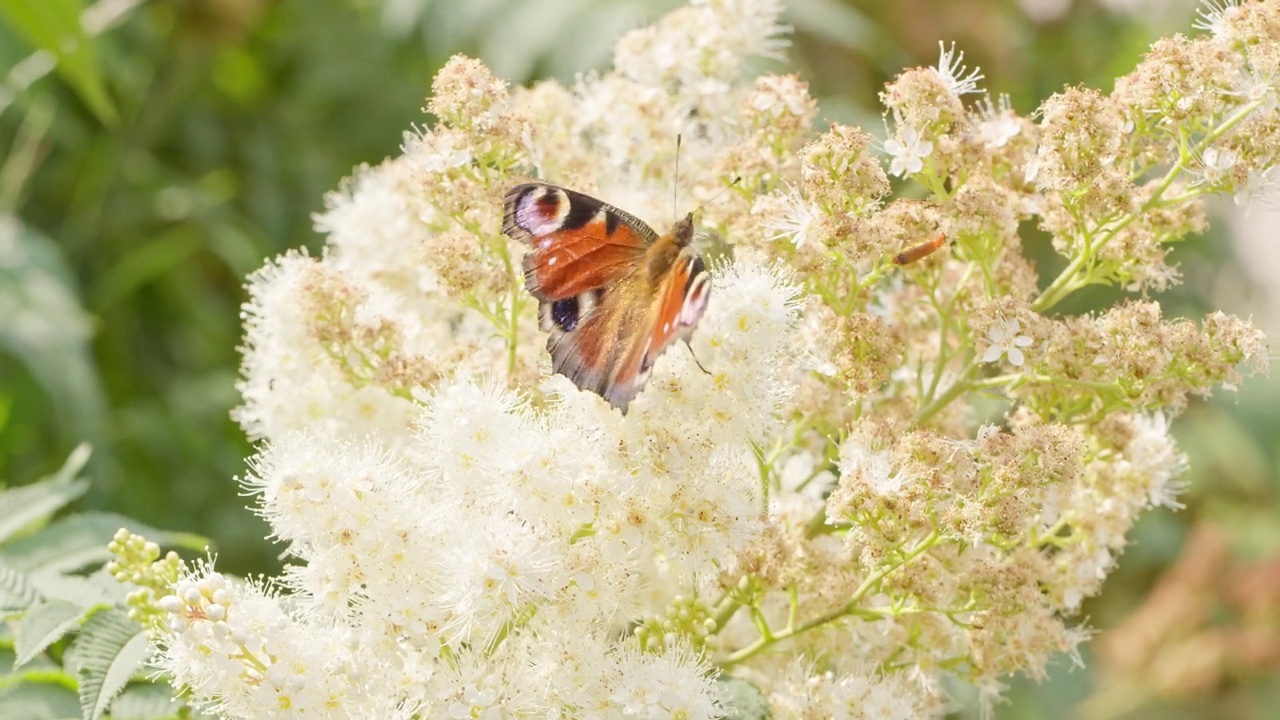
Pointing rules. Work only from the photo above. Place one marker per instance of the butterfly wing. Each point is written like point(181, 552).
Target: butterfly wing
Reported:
point(579, 243)
point(582, 269)
point(678, 302)
point(612, 294)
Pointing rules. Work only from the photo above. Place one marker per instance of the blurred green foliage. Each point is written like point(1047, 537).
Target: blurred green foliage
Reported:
point(154, 153)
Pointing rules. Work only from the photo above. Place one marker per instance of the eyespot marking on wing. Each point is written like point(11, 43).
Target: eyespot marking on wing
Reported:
point(565, 313)
point(542, 210)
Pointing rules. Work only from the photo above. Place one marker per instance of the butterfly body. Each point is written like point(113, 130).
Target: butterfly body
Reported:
point(612, 293)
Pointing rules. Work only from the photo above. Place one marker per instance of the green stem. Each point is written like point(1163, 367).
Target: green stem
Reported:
point(958, 388)
point(1068, 282)
point(849, 608)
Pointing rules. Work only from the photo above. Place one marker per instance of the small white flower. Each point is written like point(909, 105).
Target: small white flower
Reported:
point(793, 218)
point(1153, 454)
point(1031, 170)
point(908, 153)
point(872, 467)
point(443, 154)
point(956, 76)
point(1004, 340)
point(998, 124)
point(1262, 185)
point(1215, 163)
point(1214, 16)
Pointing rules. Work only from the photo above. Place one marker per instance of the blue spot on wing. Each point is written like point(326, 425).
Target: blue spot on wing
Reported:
point(564, 313)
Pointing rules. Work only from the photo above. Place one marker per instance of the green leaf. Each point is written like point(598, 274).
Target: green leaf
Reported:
point(81, 541)
point(32, 503)
point(141, 265)
point(54, 26)
point(109, 649)
point(16, 589)
point(44, 624)
point(46, 329)
point(83, 592)
point(38, 701)
point(744, 699)
point(146, 701)
point(27, 151)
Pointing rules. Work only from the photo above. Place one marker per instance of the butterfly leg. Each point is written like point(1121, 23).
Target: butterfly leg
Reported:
point(695, 358)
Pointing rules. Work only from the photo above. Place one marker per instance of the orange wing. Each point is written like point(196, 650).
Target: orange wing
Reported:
point(579, 243)
point(677, 303)
point(607, 320)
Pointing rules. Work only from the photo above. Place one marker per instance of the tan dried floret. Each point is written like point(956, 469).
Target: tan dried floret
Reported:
point(1183, 80)
point(920, 99)
point(466, 95)
point(841, 174)
point(367, 349)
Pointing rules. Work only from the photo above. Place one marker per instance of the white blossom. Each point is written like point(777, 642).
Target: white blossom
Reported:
point(955, 75)
point(1214, 15)
point(1154, 457)
point(908, 152)
point(470, 535)
point(793, 221)
point(1003, 340)
point(997, 122)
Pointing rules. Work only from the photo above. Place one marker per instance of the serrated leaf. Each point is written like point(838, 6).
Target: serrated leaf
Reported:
point(146, 701)
point(744, 699)
point(44, 624)
point(109, 649)
point(38, 701)
point(81, 541)
point(16, 589)
point(83, 591)
point(31, 503)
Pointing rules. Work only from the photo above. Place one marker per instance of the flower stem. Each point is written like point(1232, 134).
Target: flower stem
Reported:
point(958, 388)
point(1068, 281)
point(848, 609)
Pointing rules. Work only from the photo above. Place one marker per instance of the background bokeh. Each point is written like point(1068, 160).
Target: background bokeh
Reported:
point(154, 153)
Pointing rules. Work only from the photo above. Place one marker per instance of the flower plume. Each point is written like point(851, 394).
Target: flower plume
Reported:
point(808, 496)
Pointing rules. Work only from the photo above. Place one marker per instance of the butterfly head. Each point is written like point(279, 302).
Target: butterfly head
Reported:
point(683, 231)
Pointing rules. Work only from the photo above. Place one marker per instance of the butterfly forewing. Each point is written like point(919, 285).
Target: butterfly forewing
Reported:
point(579, 243)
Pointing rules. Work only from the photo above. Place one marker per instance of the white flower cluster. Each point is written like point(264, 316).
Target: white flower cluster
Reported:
point(467, 551)
point(494, 524)
point(800, 498)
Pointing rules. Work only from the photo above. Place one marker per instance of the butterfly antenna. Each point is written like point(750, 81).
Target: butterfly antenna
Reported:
point(717, 196)
point(675, 188)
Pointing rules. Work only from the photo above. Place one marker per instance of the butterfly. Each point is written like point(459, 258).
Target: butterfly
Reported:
point(612, 293)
